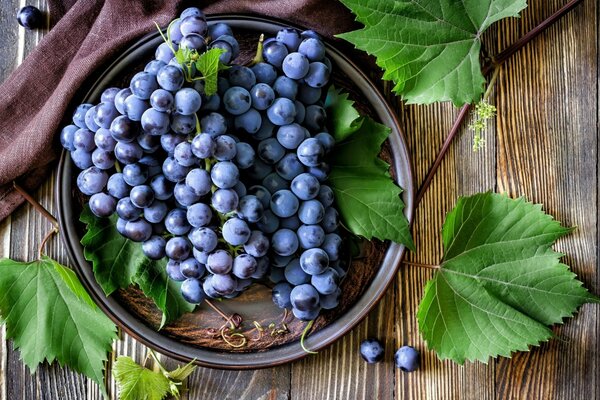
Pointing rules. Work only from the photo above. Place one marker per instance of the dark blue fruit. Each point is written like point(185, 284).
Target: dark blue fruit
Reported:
point(407, 359)
point(371, 350)
point(30, 17)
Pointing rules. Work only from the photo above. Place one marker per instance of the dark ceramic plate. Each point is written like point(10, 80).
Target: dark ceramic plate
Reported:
point(193, 335)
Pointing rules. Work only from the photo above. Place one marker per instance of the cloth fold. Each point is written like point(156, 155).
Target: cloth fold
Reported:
point(87, 34)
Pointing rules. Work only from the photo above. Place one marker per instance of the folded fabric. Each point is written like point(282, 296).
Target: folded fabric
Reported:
point(87, 34)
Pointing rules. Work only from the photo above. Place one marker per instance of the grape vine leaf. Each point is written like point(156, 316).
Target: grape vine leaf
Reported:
point(119, 262)
point(50, 316)
point(209, 66)
point(429, 48)
point(500, 285)
point(342, 118)
point(367, 198)
point(136, 382)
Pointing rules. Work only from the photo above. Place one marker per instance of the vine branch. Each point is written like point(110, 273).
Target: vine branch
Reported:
point(36, 205)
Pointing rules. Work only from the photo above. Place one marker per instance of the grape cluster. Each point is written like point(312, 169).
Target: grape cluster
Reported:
point(231, 187)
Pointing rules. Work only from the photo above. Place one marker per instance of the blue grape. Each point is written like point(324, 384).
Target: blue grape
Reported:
point(326, 282)
point(310, 34)
point(282, 112)
point(244, 266)
point(219, 262)
point(331, 301)
point(161, 100)
point(274, 52)
point(90, 115)
point(244, 156)
point(306, 315)
point(310, 152)
point(193, 41)
point(120, 99)
point(284, 242)
point(192, 291)
point(139, 230)
point(257, 244)
point(225, 148)
point(231, 41)
point(321, 171)
point(162, 187)
point(203, 239)
point(81, 158)
point(143, 84)
point(331, 245)
point(176, 222)
point(317, 75)
point(183, 154)
point(310, 236)
point(269, 222)
point(294, 274)
point(102, 205)
point(286, 87)
point(66, 137)
point(261, 194)
point(191, 11)
point(214, 124)
point(274, 182)
point(199, 180)
point(309, 95)
point(193, 24)
point(79, 114)
point(223, 284)
point(120, 226)
point(280, 261)
point(262, 96)
point(156, 212)
point(135, 174)
point(265, 73)
point(295, 65)
point(183, 124)
point(185, 195)
point(187, 101)
point(117, 187)
point(312, 48)
point(315, 118)
point(371, 350)
point(250, 121)
point(155, 122)
point(212, 103)
point(91, 180)
point(154, 248)
point(240, 75)
point(314, 261)
point(326, 140)
point(141, 196)
point(240, 189)
point(311, 212)
point(325, 196)
point(178, 248)
point(84, 139)
point(290, 37)
point(290, 136)
point(163, 53)
point(304, 298)
point(174, 171)
point(289, 167)
point(266, 129)
point(407, 359)
point(203, 146)
point(126, 210)
point(270, 151)
point(135, 107)
point(124, 129)
point(262, 268)
point(292, 223)
point(174, 271)
point(235, 231)
point(102, 138)
point(222, 85)
point(305, 186)
point(250, 208)
point(237, 100)
point(169, 78)
point(103, 159)
point(153, 67)
point(281, 295)
point(224, 174)
point(219, 29)
point(105, 114)
point(224, 200)
point(300, 112)
point(331, 220)
point(199, 215)
point(284, 203)
point(208, 288)
point(191, 268)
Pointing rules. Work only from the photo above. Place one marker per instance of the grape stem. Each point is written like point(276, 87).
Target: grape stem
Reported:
point(50, 233)
point(496, 62)
point(36, 205)
point(304, 335)
point(421, 265)
point(258, 58)
point(228, 319)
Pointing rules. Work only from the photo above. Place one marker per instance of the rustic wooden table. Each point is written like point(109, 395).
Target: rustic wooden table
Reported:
point(543, 144)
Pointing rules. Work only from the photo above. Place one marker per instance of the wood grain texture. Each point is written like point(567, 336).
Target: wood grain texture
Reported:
point(543, 144)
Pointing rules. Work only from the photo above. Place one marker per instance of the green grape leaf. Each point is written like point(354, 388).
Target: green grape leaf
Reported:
point(209, 66)
point(49, 317)
point(500, 285)
point(366, 196)
point(119, 262)
point(429, 48)
point(138, 383)
point(342, 118)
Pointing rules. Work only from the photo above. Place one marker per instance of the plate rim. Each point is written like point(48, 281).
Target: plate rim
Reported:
point(243, 360)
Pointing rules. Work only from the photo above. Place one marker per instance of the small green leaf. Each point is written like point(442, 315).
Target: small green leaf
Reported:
point(181, 373)
point(209, 66)
point(367, 198)
point(500, 284)
point(41, 304)
point(430, 49)
point(118, 262)
point(180, 56)
point(138, 383)
point(342, 118)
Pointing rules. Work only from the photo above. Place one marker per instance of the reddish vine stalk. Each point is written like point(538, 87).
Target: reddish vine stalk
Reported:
point(498, 60)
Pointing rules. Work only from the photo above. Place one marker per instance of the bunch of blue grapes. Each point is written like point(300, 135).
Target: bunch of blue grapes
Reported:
point(230, 188)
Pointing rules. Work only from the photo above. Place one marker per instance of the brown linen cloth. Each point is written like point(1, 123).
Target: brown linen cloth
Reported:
point(86, 35)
